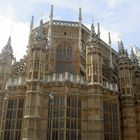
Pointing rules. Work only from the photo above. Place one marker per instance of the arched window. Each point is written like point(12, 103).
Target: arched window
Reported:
point(64, 58)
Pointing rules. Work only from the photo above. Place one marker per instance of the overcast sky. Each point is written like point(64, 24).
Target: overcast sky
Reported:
point(119, 17)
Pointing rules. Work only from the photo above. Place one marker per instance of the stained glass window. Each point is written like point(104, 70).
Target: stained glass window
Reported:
point(110, 121)
point(64, 58)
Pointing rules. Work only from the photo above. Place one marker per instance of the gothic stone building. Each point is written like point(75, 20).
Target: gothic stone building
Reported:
point(70, 85)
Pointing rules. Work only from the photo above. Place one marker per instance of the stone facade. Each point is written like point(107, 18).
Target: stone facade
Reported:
point(70, 85)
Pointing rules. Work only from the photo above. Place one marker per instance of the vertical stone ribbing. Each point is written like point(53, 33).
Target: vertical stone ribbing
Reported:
point(94, 95)
point(6, 58)
point(33, 106)
point(127, 99)
point(93, 64)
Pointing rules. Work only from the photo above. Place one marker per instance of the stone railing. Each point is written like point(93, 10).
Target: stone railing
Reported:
point(65, 23)
point(19, 81)
point(111, 86)
point(69, 23)
point(62, 77)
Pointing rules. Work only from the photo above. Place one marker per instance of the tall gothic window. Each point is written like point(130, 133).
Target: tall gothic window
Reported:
point(111, 128)
point(12, 119)
point(64, 58)
point(64, 118)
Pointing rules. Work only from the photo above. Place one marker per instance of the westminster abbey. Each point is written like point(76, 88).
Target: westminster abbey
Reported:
point(70, 85)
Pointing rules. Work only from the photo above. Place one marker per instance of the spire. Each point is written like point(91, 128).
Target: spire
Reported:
point(92, 28)
point(126, 53)
point(98, 31)
point(31, 24)
point(8, 48)
point(122, 51)
point(121, 47)
point(134, 58)
point(92, 31)
point(9, 41)
point(118, 45)
point(40, 32)
point(41, 24)
point(30, 33)
point(50, 27)
point(109, 42)
point(51, 13)
point(109, 39)
point(132, 55)
point(80, 15)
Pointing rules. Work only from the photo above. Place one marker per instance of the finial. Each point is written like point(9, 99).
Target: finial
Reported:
point(50, 27)
point(132, 51)
point(41, 27)
point(9, 41)
point(92, 27)
point(122, 51)
point(98, 32)
point(121, 44)
point(121, 47)
point(41, 24)
point(80, 14)
point(92, 31)
point(51, 13)
point(118, 43)
point(126, 53)
point(134, 58)
point(8, 47)
point(109, 39)
point(40, 32)
point(32, 24)
point(132, 54)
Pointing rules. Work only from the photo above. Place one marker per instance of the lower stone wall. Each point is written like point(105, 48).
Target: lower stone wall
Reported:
point(138, 120)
